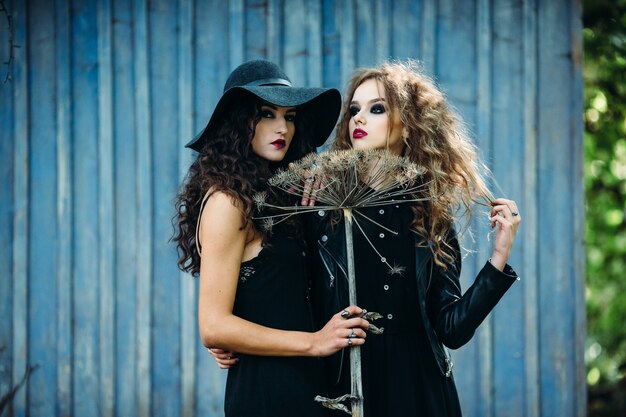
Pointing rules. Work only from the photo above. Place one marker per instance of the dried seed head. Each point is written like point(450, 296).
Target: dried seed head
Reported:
point(347, 177)
point(396, 270)
point(412, 171)
point(259, 199)
point(284, 179)
point(399, 178)
point(307, 162)
point(267, 224)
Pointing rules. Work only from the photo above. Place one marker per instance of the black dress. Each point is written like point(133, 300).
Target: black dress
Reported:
point(273, 291)
point(400, 373)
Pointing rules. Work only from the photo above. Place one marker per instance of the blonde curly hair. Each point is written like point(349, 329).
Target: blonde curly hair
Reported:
point(435, 138)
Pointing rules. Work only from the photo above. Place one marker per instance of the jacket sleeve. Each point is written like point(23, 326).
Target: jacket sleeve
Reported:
point(455, 316)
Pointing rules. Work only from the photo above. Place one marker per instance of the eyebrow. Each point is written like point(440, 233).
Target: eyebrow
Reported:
point(271, 106)
point(375, 100)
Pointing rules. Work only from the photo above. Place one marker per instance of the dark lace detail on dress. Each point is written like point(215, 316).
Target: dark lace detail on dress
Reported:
point(245, 272)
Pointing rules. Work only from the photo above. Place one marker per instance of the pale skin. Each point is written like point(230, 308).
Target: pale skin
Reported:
point(225, 245)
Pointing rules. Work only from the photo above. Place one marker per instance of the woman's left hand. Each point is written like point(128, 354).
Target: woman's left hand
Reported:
point(311, 186)
point(505, 216)
point(225, 359)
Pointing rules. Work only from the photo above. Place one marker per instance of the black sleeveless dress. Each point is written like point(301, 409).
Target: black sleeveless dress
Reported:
point(273, 291)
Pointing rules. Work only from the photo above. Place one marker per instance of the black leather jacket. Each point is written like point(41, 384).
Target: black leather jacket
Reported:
point(450, 318)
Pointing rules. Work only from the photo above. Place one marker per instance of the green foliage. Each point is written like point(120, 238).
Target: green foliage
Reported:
point(605, 184)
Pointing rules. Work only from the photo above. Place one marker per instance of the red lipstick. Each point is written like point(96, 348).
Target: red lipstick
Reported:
point(359, 133)
point(279, 143)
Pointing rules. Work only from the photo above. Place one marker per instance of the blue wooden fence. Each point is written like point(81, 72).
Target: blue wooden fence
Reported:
point(104, 93)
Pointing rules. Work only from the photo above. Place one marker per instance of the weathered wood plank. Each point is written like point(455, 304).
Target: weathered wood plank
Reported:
point(125, 223)
point(456, 54)
point(578, 197)
point(21, 202)
point(295, 48)
point(42, 232)
point(145, 203)
point(106, 209)
point(428, 29)
point(474, 360)
point(275, 16)
point(508, 169)
point(364, 30)
point(314, 44)
point(223, 41)
point(188, 312)
point(528, 268)
point(347, 39)
point(405, 29)
point(7, 207)
point(383, 12)
point(558, 281)
point(85, 297)
point(331, 47)
point(227, 21)
point(64, 213)
point(236, 42)
point(165, 296)
point(255, 27)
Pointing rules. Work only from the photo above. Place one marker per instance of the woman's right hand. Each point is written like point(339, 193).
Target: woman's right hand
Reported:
point(344, 329)
point(505, 213)
point(225, 359)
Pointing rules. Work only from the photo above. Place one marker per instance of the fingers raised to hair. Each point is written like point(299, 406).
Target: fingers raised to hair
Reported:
point(511, 204)
point(499, 218)
point(501, 208)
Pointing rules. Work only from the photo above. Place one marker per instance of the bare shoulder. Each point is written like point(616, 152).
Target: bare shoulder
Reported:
point(221, 237)
point(219, 199)
point(221, 212)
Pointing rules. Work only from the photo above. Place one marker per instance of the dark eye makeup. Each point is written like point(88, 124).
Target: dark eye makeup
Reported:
point(269, 113)
point(378, 108)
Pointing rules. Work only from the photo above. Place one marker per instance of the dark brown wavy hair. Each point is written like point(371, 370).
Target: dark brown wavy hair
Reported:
point(435, 138)
point(227, 163)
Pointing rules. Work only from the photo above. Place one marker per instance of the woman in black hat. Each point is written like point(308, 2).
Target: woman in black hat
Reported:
point(254, 291)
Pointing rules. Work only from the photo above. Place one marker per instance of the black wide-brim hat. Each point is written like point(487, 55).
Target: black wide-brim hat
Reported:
point(268, 82)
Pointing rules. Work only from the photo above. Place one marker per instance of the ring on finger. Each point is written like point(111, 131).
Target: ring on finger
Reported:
point(515, 213)
point(345, 314)
point(349, 342)
point(352, 335)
